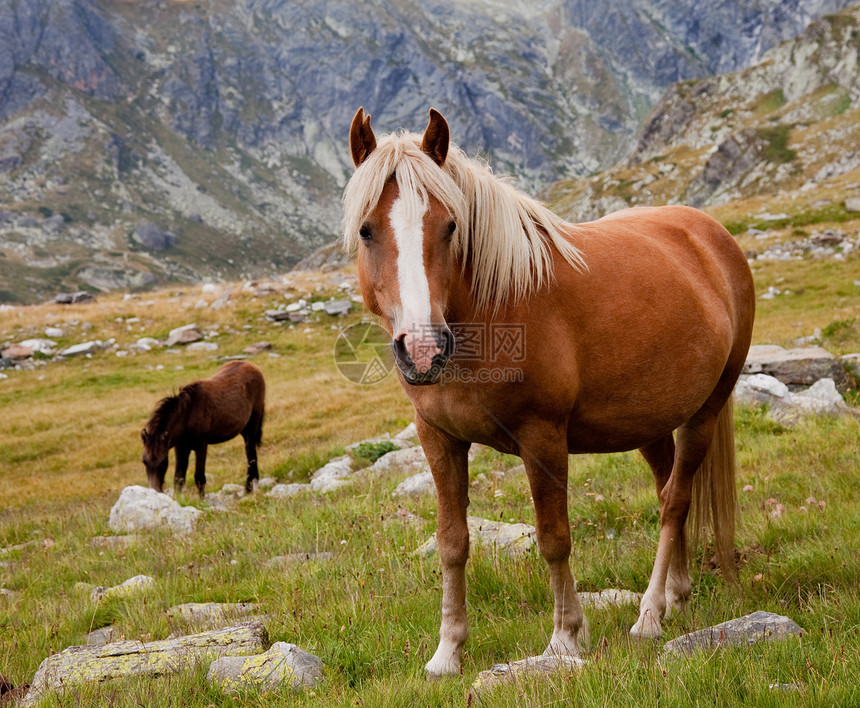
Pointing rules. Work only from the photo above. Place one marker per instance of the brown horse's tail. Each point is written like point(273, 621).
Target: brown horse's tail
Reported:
point(714, 494)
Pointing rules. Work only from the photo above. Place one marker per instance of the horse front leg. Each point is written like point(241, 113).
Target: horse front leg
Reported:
point(449, 465)
point(545, 456)
point(200, 468)
point(182, 454)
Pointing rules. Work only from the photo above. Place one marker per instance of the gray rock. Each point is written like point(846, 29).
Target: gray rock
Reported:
point(852, 204)
point(336, 308)
point(152, 237)
point(506, 674)
point(17, 352)
point(281, 491)
point(132, 586)
point(83, 349)
point(202, 347)
point(266, 483)
point(333, 475)
point(186, 334)
point(283, 665)
point(417, 485)
point(43, 346)
point(408, 461)
point(604, 599)
point(143, 509)
point(102, 636)
point(82, 665)
point(211, 613)
point(513, 539)
point(78, 298)
point(756, 627)
point(801, 367)
point(852, 363)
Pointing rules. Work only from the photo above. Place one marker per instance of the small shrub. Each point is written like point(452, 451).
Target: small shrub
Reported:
point(367, 453)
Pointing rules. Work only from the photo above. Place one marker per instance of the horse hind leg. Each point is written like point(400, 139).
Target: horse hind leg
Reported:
point(252, 435)
point(200, 468)
point(694, 439)
point(660, 456)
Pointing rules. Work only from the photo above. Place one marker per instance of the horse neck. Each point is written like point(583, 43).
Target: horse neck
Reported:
point(173, 424)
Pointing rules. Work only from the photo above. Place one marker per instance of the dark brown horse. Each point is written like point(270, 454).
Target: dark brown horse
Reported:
point(515, 329)
point(203, 413)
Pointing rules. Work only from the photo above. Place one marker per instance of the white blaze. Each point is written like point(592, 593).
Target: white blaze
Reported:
point(407, 221)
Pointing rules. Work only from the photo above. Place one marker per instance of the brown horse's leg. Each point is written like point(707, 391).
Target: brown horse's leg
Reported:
point(694, 438)
point(200, 468)
point(182, 454)
point(449, 464)
point(251, 435)
point(546, 460)
point(660, 455)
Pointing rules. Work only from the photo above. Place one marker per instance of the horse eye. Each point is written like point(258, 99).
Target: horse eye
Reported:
point(364, 232)
point(452, 227)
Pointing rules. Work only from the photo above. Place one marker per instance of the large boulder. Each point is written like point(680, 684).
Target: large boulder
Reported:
point(144, 509)
point(186, 334)
point(794, 367)
point(78, 666)
point(153, 237)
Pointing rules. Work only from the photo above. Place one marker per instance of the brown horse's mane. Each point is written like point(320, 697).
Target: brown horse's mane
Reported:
point(504, 236)
point(170, 408)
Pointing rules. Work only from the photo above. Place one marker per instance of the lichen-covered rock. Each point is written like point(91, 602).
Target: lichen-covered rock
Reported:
point(143, 509)
point(756, 627)
point(77, 666)
point(533, 665)
point(283, 665)
point(514, 539)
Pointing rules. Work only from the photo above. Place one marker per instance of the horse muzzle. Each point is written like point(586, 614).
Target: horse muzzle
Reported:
point(422, 358)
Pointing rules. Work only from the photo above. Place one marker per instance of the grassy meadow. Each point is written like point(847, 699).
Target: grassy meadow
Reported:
point(69, 442)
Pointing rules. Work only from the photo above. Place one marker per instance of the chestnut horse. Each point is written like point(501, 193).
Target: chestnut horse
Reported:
point(598, 337)
point(207, 412)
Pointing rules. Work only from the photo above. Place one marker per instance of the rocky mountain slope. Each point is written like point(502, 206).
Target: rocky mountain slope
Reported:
point(774, 145)
point(161, 140)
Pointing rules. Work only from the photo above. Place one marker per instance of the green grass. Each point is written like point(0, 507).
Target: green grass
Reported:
point(69, 443)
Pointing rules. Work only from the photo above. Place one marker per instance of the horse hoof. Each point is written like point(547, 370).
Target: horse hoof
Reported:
point(439, 669)
point(646, 628)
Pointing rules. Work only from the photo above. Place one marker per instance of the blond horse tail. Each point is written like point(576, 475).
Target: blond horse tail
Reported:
point(714, 495)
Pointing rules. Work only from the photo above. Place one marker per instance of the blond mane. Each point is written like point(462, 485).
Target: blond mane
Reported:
point(503, 234)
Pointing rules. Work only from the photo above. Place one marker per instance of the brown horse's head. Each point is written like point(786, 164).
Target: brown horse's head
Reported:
point(406, 259)
point(155, 448)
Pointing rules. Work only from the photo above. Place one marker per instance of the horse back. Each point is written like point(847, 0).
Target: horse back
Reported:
point(223, 404)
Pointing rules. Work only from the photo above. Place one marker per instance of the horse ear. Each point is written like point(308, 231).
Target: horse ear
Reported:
point(362, 141)
point(436, 138)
